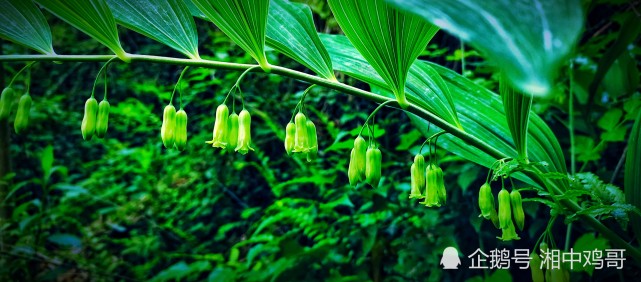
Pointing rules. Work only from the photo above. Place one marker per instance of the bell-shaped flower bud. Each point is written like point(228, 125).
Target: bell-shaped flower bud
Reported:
point(103, 119)
point(373, 166)
point(180, 134)
point(431, 187)
point(88, 126)
point(219, 138)
point(535, 267)
point(505, 212)
point(360, 145)
point(440, 185)
point(352, 172)
point(509, 233)
point(6, 102)
point(168, 129)
point(300, 142)
point(244, 132)
point(486, 201)
point(417, 177)
point(290, 137)
point(517, 209)
point(233, 126)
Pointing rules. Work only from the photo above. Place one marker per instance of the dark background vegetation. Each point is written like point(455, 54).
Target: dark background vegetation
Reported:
point(125, 208)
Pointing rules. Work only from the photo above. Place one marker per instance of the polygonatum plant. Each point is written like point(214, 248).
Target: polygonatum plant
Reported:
point(382, 42)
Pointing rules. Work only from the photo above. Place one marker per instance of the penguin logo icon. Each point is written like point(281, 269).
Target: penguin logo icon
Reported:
point(450, 259)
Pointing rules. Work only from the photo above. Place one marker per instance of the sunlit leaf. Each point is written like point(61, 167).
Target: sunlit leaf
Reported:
point(517, 112)
point(194, 10)
point(168, 22)
point(23, 23)
point(92, 17)
point(424, 87)
point(528, 39)
point(390, 40)
point(480, 111)
point(244, 21)
point(291, 31)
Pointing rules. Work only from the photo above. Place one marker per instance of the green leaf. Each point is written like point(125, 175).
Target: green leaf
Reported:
point(46, 161)
point(425, 87)
point(92, 17)
point(291, 31)
point(630, 30)
point(615, 134)
point(517, 112)
point(168, 22)
point(588, 242)
point(632, 107)
point(174, 272)
point(480, 114)
point(470, 172)
point(632, 177)
point(408, 140)
point(22, 22)
point(388, 39)
point(66, 240)
point(244, 21)
point(586, 149)
point(528, 40)
point(623, 76)
point(500, 275)
point(610, 119)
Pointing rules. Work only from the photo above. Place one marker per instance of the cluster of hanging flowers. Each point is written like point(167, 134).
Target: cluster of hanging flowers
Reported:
point(510, 210)
point(365, 163)
point(426, 180)
point(232, 132)
point(300, 133)
point(301, 137)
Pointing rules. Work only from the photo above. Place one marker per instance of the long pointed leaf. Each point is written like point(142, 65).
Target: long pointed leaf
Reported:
point(632, 176)
point(424, 87)
point(517, 112)
point(480, 111)
point(291, 31)
point(194, 10)
point(244, 21)
point(167, 21)
point(92, 17)
point(388, 39)
point(527, 39)
point(23, 23)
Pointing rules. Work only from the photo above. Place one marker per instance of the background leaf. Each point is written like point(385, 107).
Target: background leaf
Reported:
point(168, 22)
point(633, 173)
point(588, 242)
point(630, 30)
point(92, 17)
point(527, 39)
point(244, 21)
point(291, 31)
point(388, 39)
point(23, 23)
